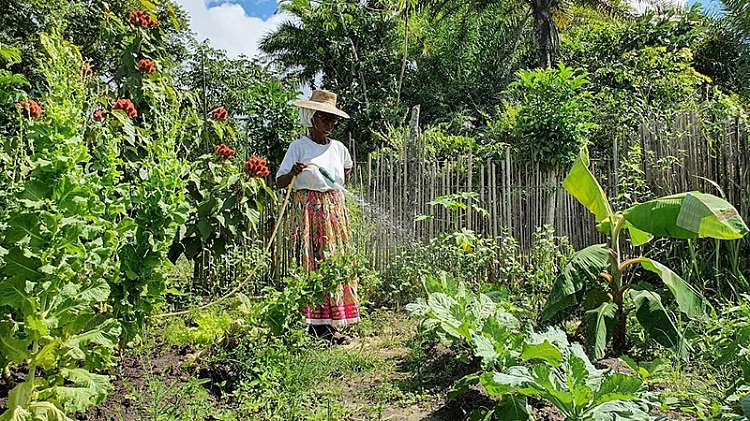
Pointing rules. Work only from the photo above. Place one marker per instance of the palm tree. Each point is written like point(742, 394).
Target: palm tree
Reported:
point(546, 15)
point(738, 12)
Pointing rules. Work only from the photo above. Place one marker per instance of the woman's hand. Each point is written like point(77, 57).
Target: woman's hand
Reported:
point(297, 168)
point(286, 179)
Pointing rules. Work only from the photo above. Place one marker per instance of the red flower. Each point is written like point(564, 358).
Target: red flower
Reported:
point(99, 115)
point(127, 106)
point(146, 66)
point(141, 18)
point(86, 69)
point(224, 151)
point(257, 167)
point(219, 113)
point(30, 109)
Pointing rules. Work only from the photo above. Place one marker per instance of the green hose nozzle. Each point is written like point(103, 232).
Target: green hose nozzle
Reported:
point(327, 175)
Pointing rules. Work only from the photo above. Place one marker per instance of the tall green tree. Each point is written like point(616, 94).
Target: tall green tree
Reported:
point(264, 122)
point(543, 17)
point(82, 22)
point(738, 12)
point(349, 48)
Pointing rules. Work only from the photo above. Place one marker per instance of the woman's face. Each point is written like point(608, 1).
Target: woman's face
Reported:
point(324, 122)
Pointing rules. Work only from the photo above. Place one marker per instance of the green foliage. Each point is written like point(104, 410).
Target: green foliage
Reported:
point(226, 207)
point(632, 187)
point(169, 400)
point(554, 118)
point(454, 203)
point(524, 363)
point(358, 60)
point(262, 121)
point(62, 231)
point(476, 259)
point(650, 68)
point(206, 328)
point(462, 55)
point(726, 343)
point(562, 374)
point(686, 215)
point(80, 22)
point(480, 322)
point(150, 167)
point(738, 15)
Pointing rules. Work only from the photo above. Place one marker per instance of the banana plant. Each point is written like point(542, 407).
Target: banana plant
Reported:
point(684, 215)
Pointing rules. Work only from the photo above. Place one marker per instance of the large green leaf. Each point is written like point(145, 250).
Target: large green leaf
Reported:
point(618, 386)
point(11, 347)
point(21, 265)
point(600, 325)
point(582, 185)
point(105, 335)
point(21, 395)
point(745, 403)
point(544, 351)
point(463, 385)
point(656, 320)
point(481, 308)
point(16, 414)
point(637, 237)
point(43, 410)
point(584, 266)
point(484, 348)
point(517, 378)
point(25, 227)
point(690, 301)
point(621, 410)
point(88, 389)
point(513, 408)
point(688, 215)
point(13, 293)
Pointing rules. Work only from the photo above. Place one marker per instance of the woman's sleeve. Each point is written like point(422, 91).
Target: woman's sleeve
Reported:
point(288, 162)
point(348, 163)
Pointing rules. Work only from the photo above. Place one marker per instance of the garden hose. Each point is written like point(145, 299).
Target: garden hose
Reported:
point(251, 275)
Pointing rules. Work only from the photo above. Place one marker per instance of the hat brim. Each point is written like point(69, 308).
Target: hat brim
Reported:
point(321, 106)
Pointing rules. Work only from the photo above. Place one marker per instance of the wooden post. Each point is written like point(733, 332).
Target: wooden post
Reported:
point(410, 165)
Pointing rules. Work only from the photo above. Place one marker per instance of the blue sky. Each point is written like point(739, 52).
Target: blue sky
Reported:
point(259, 8)
point(710, 5)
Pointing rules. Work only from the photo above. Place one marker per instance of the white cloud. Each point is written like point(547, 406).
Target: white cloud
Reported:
point(228, 27)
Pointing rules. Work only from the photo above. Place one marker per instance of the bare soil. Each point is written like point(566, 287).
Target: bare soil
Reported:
point(171, 365)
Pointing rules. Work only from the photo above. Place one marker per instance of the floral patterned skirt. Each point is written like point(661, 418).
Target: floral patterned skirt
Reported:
point(320, 230)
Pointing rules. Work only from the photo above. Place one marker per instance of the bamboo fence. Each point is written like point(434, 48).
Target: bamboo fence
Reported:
point(681, 155)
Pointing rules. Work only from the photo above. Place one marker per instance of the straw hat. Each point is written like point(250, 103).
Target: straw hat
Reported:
point(322, 101)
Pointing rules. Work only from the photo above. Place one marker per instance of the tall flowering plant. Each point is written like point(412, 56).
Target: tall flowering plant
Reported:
point(62, 226)
point(149, 117)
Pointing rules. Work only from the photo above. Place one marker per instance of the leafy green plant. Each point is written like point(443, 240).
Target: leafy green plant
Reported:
point(480, 322)
point(226, 208)
point(150, 133)
point(562, 374)
point(454, 203)
point(480, 261)
point(61, 234)
point(170, 400)
point(551, 125)
point(685, 215)
point(542, 265)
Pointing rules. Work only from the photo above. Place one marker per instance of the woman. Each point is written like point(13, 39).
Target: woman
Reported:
point(320, 226)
